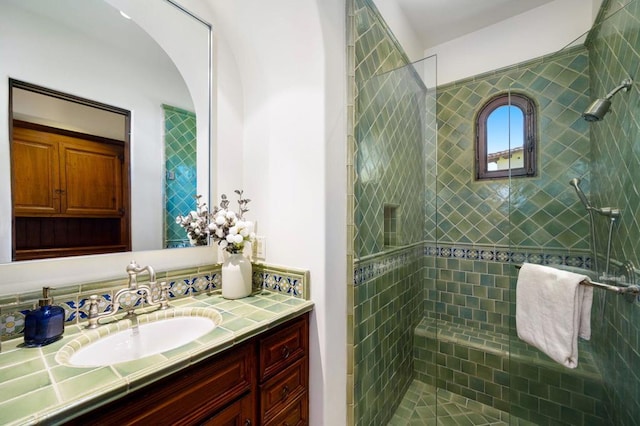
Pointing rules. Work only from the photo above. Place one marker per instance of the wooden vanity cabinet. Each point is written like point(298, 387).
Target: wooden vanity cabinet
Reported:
point(263, 381)
point(284, 375)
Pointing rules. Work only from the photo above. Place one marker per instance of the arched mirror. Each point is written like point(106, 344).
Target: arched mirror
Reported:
point(131, 60)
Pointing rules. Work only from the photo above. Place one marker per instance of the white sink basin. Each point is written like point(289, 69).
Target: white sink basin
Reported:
point(148, 338)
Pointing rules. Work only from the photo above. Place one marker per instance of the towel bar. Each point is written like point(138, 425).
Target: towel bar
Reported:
point(630, 289)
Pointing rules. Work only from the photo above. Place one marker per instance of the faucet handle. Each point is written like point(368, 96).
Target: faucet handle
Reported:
point(164, 295)
point(93, 311)
point(133, 267)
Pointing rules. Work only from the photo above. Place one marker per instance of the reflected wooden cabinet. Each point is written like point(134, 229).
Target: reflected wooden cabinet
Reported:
point(68, 193)
point(57, 174)
point(263, 381)
point(35, 173)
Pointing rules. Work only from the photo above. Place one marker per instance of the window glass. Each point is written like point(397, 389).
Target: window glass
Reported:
point(506, 141)
point(505, 132)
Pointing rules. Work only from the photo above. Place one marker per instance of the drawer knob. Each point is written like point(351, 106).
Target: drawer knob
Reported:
point(284, 393)
point(247, 422)
point(285, 352)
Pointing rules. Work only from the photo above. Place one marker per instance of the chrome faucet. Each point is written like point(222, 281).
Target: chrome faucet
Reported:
point(133, 289)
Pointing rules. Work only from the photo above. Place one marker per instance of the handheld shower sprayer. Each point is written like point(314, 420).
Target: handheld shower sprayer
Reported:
point(575, 182)
point(603, 211)
point(600, 107)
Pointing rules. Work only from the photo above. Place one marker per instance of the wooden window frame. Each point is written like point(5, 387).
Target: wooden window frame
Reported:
point(528, 108)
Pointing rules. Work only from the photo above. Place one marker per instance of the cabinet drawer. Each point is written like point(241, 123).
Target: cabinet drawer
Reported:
point(240, 413)
point(295, 414)
point(184, 398)
point(282, 348)
point(283, 388)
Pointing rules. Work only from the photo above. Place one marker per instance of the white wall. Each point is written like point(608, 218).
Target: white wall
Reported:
point(402, 29)
point(291, 59)
point(535, 33)
point(193, 64)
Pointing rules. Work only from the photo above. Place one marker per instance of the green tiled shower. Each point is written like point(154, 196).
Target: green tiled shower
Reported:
point(181, 171)
point(433, 332)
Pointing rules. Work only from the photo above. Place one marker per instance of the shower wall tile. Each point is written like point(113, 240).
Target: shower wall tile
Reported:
point(485, 362)
point(180, 166)
point(391, 123)
point(615, 145)
point(542, 212)
point(387, 308)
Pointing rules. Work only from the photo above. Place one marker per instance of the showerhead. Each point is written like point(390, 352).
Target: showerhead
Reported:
point(597, 110)
point(575, 182)
point(600, 107)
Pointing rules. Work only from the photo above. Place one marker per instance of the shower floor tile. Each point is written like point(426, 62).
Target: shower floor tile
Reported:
point(419, 407)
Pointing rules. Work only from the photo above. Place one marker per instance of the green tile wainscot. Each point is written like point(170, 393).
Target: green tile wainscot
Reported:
point(38, 387)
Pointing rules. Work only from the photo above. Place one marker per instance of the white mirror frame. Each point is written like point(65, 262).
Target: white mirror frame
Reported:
point(18, 277)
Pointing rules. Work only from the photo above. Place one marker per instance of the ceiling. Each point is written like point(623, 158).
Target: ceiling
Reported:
point(438, 21)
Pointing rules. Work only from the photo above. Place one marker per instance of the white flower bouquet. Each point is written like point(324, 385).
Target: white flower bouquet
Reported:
point(196, 223)
point(227, 228)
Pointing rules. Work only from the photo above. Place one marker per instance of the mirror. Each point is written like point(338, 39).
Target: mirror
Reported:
point(86, 48)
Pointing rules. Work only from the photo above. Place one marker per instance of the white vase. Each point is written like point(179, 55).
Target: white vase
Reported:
point(236, 277)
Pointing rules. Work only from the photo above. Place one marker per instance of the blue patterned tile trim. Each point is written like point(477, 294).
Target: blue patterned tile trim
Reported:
point(504, 255)
point(288, 281)
point(375, 266)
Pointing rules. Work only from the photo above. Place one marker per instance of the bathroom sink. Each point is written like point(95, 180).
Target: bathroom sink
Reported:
point(95, 348)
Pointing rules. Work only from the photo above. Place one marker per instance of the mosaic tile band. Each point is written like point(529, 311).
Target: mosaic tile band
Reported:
point(375, 266)
point(183, 283)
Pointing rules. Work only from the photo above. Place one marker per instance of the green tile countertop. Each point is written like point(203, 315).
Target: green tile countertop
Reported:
point(36, 387)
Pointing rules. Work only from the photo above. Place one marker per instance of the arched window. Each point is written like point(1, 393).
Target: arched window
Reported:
point(506, 137)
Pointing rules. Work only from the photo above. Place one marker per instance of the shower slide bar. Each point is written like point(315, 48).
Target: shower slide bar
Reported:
point(633, 289)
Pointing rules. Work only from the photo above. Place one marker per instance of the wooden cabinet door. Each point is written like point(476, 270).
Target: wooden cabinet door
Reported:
point(91, 174)
point(240, 413)
point(35, 174)
point(63, 175)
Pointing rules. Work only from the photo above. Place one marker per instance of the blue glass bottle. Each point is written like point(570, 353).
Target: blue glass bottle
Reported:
point(44, 325)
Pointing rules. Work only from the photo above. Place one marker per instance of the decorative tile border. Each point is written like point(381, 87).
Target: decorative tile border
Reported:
point(376, 265)
point(182, 283)
point(294, 282)
point(509, 255)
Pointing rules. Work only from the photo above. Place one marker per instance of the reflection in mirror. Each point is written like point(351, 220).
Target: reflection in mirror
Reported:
point(70, 174)
point(85, 48)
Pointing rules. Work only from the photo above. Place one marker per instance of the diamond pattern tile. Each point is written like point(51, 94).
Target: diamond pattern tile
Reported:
point(425, 405)
point(180, 163)
point(478, 227)
point(541, 212)
point(616, 139)
point(614, 53)
point(391, 131)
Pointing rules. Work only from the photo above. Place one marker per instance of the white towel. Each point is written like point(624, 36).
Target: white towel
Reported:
point(552, 310)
